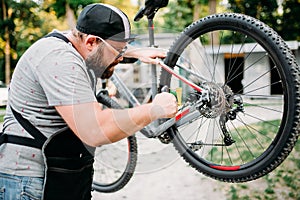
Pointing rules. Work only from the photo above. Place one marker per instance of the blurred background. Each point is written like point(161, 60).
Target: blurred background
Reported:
point(23, 22)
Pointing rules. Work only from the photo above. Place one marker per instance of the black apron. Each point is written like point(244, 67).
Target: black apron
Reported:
point(68, 162)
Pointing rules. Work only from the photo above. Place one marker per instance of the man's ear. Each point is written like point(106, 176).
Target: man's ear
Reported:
point(90, 42)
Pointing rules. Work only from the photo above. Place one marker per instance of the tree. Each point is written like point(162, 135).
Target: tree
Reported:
point(285, 21)
point(22, 23)
point(67, 9)
point(6, 19)
point(266, 11)
point(13, 12)
point(289, 28)
point(182, 10)
point(187, 11)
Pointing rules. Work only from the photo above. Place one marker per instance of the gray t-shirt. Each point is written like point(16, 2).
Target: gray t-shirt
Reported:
point(50, 73)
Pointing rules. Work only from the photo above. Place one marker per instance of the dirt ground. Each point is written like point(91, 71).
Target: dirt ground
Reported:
point(162, 174)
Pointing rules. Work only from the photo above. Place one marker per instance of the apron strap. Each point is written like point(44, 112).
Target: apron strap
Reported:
point(37, 142)
point(58, 35)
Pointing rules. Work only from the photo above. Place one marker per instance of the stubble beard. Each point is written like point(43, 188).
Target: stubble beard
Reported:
point(96, 63)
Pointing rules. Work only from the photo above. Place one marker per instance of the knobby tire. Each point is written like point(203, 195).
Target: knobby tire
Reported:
point(255, 151)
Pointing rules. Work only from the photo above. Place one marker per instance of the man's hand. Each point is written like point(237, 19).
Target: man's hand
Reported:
point(146, 54)
point(164, 105)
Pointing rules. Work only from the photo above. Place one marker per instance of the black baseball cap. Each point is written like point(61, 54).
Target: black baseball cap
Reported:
point(105, 21)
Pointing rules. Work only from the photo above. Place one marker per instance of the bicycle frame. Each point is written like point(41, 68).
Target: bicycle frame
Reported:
point(158, 127)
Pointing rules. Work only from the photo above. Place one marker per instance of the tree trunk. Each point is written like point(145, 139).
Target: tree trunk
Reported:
point(212, 4)
point(7, 45)
point(196, 14)
point(70, 16)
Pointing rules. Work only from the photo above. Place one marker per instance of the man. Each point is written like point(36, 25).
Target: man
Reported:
point(53, 121)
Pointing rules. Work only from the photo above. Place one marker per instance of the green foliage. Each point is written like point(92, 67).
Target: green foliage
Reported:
point(21, 17)
point(179, 15)
point(285, 21)
point(59, 7)
point(265, 11)
point(26, 15)
point(290, 28)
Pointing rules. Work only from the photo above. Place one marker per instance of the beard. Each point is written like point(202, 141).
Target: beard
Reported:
point(96, 63)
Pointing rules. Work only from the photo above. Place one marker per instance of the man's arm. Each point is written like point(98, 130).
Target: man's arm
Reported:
point(95, 126)
point(145, 54)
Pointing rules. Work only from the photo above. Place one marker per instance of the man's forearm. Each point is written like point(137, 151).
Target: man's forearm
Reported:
point(97, 127)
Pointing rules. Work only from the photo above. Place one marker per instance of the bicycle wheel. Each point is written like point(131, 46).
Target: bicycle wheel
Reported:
point(251, 120)
point(114, 163)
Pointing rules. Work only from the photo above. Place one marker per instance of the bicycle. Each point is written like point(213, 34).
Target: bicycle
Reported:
point(235, 123)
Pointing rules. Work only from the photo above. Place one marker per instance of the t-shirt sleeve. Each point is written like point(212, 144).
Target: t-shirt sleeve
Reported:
point(64, 79)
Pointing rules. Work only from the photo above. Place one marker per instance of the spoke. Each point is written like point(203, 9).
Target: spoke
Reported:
point(250, 52)
point(258, 96)
point(218, 53)
point(207, 58)
point(254, 129)
point(206, 137)
point(212, 138)
point(239, 51)
point(236, 145)
point(250, 131)
point(192, 72)
point(261, 120)
point(264, 107)
point(267, 72)
point(244, 142)
point(200, 125)
point(259, 88)
point(222, 146)
point(184, 127)
point(228, 154)
point(238, 150)
point(247, 68)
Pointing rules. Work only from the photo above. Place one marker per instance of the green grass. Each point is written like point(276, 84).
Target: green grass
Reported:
point(1, 116)
point(282, 183)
